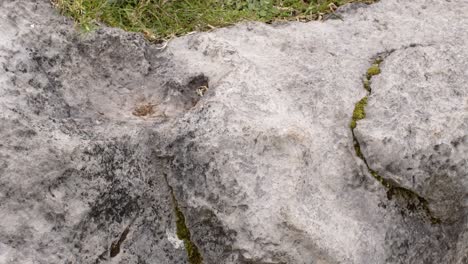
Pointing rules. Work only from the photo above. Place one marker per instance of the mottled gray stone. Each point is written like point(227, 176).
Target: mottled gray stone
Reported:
point(71, 183)
point(416, 128)
point(262, 165)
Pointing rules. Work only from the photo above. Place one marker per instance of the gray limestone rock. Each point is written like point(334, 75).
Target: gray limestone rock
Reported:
point(249, 127)
point(78, 183)
point(415, 131)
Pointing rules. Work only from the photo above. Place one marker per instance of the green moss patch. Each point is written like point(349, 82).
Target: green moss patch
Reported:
point(183, 232)
point(373, 70)
point(412, 199)
point(359, 111)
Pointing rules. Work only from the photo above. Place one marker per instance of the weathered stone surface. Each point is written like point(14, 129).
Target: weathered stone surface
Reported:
point(416, 128)
point(262, 165)
point(71, 183)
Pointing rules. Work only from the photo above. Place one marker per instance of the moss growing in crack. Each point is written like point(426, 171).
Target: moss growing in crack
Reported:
point(373, 70)
point(182, 231)
point(381, 179)
point(359, 111)
point(414, 201)
point(367, 86)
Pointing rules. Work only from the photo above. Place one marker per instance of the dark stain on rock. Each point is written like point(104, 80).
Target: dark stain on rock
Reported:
point(187, 95)
point(115, 246)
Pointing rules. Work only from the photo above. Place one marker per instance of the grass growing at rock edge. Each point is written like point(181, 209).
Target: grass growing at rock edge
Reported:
point(162, 19)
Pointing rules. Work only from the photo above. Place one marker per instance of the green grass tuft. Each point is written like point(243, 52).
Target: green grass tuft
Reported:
point(163, 19)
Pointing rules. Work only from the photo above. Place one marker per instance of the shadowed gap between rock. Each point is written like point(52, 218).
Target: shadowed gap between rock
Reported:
point(182, 231)
point(359, 113)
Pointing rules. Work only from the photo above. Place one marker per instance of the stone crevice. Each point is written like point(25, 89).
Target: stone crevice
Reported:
point(413, 200)
point(182, 230)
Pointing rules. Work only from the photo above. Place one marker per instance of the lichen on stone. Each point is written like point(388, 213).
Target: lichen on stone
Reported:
point(367, 86)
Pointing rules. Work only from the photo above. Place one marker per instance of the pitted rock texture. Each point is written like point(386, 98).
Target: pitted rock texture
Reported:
point(415, 131)
point(71, 183)
point(250, 126)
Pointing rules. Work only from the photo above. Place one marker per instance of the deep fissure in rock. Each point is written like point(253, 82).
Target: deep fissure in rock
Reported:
point(414, 200)
point(182, 231)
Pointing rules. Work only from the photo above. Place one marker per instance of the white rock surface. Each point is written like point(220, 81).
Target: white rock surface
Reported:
point(263, 165)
